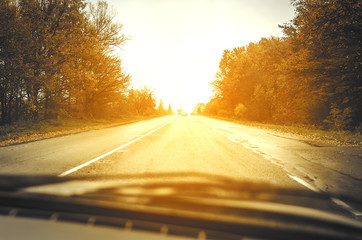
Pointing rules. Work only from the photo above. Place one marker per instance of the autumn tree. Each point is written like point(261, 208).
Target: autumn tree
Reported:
point(57, 60)
point(11, 69)
point(311, 76)
point(330, 33)
point(98, 78)
point(108, 33)
point(169, 110)
point(142, 101)
point(161, 109)
point(199, 109)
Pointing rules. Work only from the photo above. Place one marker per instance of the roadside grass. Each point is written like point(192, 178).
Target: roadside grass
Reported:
point(26, 131)
point(309, 133)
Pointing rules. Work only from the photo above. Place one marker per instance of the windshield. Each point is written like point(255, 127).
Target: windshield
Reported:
point(170, 93)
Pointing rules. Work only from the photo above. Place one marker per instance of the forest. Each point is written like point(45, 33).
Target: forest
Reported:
point(58, 60)
point(310, 76)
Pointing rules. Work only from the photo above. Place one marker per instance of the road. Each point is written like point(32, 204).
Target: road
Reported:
point(193, 144)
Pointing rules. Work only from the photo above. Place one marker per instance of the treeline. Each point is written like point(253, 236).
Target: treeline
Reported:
point(57, 60)
point(142, 102)
point(311, 76)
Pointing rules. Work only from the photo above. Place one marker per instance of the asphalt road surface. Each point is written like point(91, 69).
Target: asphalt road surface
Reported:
point(194, 144)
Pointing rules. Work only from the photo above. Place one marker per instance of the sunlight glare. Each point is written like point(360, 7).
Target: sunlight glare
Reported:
point(176, 46)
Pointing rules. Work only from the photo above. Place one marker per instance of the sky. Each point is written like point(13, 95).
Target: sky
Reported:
point(175, 45)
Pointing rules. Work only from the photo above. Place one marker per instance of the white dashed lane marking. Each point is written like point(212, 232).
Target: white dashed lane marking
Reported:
point(108, 153)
